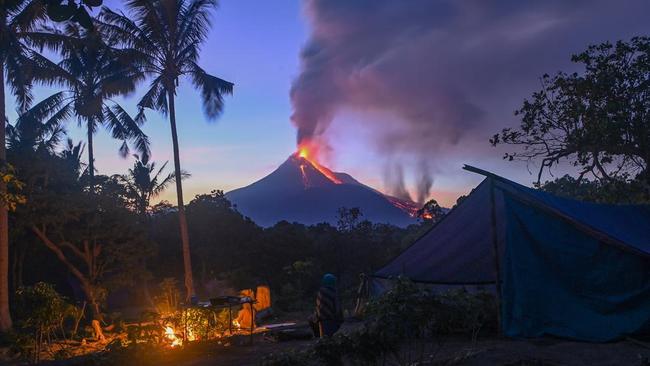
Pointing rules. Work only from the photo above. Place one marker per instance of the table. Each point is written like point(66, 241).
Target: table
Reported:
point(215, 307)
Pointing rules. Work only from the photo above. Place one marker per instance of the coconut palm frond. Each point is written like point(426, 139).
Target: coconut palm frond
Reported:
point(160, 187)
point(18, 80)
point(56, 120)
point(126, 128)
point(47, 72)
point(44, 108)
point(121, 30)
point(43, 39)
point(212, 90)
point(27, 14)
point(195, 21)
point(151, 19)
point(54, 138)
point(155, 98)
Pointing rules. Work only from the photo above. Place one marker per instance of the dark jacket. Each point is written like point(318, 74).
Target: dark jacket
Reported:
point(328, 306)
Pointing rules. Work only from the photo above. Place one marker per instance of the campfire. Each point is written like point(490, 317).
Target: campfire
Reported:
point(220, 317)
point(171, 336)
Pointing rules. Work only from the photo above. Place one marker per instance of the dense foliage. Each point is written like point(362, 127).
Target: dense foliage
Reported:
point(289, 257)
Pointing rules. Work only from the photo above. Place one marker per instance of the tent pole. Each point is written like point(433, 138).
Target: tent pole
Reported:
point(495, 245)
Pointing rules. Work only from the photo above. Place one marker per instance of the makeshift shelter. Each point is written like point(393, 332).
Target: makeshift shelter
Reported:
point(560, 267)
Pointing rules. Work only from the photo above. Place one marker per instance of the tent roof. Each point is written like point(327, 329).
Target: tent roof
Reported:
point(459, 248)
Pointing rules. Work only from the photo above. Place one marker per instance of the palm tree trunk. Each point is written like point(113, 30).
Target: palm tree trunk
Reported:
point(91, 158)
point(5, 316)
point(185, 238)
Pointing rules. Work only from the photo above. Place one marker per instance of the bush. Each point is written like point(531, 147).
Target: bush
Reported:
point(415, 313)
point(40, 313)
point(403, 315)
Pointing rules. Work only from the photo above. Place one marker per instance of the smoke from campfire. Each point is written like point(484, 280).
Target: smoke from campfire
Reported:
point(445, 72)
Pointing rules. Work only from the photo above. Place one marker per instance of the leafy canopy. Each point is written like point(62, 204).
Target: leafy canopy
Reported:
point(597, 120)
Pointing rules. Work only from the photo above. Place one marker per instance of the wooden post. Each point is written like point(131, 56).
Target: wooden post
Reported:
point(252, 320)
point(184, 319)
point(229, 317)
point(495, 245)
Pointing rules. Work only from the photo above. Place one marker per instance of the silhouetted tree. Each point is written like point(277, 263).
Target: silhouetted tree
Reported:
point(169, 33)
point(22, 65)
point(143, 182)
point(597, 120)
point(431, 212)
point(94, 73)
point(601, 191)
point(348, 219)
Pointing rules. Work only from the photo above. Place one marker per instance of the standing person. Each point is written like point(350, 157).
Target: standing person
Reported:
point(329, 313)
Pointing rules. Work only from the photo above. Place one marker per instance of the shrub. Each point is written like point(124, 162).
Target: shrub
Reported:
point(404, 314)
point(41, 313)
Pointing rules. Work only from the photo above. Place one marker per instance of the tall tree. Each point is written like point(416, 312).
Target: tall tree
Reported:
point(21, 66)
point(597, 120)
point(93, 73)
point(170, 33)
point(30, 144)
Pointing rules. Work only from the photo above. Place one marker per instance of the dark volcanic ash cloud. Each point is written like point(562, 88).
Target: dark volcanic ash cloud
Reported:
point(449, 71)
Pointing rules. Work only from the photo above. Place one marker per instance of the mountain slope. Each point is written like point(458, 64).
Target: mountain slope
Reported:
point(303, 191)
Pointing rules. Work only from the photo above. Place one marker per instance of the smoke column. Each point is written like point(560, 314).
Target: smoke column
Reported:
point(449, 71)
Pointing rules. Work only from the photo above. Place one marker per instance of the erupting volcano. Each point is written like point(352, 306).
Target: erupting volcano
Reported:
point(302, 190)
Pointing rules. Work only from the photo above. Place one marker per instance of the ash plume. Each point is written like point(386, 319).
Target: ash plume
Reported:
point(449, 71)
point(394, 180)
point(424, 183)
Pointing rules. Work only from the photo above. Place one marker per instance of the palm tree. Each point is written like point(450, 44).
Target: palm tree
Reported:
point(93, 73)
point(18, 34)
point(142, 184)
point(72, 155)
point(169, 34)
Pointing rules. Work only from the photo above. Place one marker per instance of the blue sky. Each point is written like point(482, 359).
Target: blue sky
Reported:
point(491, 56)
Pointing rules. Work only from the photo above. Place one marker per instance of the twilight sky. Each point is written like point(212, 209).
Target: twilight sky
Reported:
point(394, 89)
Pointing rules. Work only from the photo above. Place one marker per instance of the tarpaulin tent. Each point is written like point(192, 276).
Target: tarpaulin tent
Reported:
point(560, 267)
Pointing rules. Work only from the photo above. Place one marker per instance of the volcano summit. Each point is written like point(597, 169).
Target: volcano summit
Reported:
point(301, 190)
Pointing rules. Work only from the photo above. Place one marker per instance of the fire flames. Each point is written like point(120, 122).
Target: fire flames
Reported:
point(170, 334)
point(309, 152)
point(174, 340)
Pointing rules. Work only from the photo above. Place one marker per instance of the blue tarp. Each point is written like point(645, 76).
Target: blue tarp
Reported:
point(568, 268)
point(458, 250)
point(560, 281)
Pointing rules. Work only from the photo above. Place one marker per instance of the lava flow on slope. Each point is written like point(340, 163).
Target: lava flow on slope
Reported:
point(306, 152)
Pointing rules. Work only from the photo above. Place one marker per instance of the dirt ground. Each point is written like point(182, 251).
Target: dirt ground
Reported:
point(507, 352)
point(238, 351)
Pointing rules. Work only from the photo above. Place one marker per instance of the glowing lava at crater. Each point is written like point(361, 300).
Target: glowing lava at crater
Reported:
point(309, 152)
